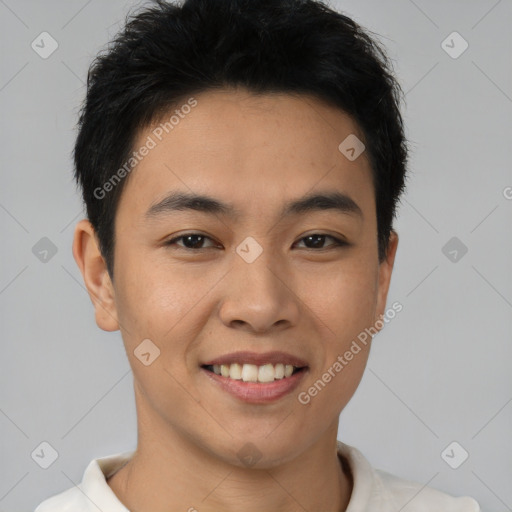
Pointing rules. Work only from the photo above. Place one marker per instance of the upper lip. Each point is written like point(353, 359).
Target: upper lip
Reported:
point(246, 357)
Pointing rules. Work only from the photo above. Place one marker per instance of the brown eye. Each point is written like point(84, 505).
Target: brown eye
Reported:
point(196, 241)
point(317, 241)
point(192, 241)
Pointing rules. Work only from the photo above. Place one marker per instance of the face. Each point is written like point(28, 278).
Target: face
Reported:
point(257, 276)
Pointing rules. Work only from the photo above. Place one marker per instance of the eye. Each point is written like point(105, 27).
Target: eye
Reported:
point(195, 241)
point(316, 241)
point(190, 241)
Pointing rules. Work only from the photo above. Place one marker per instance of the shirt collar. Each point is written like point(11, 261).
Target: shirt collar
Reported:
point(363, 477)
point(94, 484)
point(100, 496)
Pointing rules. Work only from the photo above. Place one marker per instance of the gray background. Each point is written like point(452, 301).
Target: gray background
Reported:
point(438, 373)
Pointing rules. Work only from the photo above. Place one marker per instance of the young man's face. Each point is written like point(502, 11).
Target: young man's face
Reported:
point(203, 298)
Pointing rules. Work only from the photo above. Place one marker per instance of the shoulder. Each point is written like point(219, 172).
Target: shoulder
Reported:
point(416, 497)
point(377, 490)
point(67, 501)
point(93, 493)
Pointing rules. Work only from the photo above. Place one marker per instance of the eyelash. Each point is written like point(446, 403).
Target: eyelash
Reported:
point(337, 242)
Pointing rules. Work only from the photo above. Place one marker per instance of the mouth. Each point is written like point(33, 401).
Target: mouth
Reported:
point(247, 372)
point(256, 378)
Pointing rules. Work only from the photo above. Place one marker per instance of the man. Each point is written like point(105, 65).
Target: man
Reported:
point(240, 162)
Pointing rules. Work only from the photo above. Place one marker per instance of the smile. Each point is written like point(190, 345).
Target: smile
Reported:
point(252, 373)
point(253, 377)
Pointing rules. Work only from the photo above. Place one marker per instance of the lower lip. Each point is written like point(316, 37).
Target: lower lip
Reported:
point(257, 392)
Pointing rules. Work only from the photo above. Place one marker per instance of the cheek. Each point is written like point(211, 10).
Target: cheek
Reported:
point(164, 304)
point(149, 297)
point(158, 306)
point(344, 301)
point(329, 392)
point(343, 297)
point(331, 386)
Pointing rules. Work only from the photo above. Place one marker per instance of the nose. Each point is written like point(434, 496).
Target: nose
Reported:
point(259, 296)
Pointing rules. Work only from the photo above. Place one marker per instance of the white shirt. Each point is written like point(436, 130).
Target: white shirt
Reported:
point(374, 490)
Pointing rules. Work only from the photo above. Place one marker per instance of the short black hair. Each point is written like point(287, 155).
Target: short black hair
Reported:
point(167, 52)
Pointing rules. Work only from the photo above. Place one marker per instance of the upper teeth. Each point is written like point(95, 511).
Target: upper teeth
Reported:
point(252, 372)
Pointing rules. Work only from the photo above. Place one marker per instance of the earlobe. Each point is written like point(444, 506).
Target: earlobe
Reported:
point(385, 272)
point(95, 275)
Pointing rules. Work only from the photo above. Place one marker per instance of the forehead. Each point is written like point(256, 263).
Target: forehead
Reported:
point(247, 149)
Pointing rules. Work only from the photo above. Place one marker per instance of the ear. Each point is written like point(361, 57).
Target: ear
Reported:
point(385, 271)
point(95, 275)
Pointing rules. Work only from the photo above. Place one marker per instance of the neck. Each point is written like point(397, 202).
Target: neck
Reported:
point(170, 472)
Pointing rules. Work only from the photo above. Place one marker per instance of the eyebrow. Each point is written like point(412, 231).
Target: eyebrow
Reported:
point(180, 201)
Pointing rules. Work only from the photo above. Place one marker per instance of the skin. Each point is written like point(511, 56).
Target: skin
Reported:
point(256, 152)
